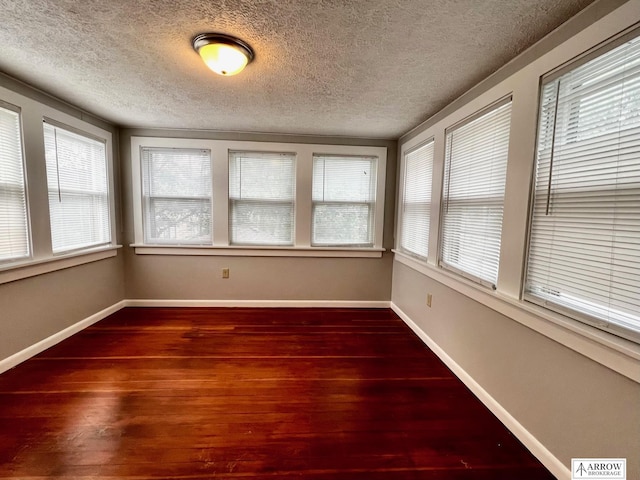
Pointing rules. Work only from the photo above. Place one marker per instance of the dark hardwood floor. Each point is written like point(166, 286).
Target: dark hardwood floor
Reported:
point(322, 394)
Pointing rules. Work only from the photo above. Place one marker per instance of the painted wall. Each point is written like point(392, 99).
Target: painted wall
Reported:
point(571, 390)
point(573, 405)
point(32, 309)
point(35, 308)
point(257, 278)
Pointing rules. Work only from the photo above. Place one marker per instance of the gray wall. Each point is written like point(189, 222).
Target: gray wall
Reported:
point(34, 308)
point(257, 278)
point(573, 405)
point(570, 402)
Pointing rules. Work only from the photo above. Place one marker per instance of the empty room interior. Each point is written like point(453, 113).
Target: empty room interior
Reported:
point(397, 213)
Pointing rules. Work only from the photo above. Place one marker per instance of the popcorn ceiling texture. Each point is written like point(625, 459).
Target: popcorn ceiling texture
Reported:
point(369, 68)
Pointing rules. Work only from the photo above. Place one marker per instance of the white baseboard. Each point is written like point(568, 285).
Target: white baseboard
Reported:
point(550, 461)
point(555, 466)
point(258, 303)
point(42, 345)
point(27, 353)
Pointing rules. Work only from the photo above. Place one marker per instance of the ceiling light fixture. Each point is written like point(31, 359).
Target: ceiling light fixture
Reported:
point(224, 54)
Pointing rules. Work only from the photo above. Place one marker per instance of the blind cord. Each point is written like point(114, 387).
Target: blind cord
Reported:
point(55, 143)
point(553, 146)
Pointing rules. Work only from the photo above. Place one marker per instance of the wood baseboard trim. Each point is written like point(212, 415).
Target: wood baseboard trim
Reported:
point(42, 345)
point(258, 303)
point(550, 461)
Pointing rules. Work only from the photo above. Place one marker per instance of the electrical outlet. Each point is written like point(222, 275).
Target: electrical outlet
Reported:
point(225, 273)
point(429, 297)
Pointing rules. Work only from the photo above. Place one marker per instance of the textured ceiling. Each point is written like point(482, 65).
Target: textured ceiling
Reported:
point(371, 68)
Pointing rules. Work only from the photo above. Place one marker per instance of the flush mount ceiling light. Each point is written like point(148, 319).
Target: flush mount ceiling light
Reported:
point(224, 54)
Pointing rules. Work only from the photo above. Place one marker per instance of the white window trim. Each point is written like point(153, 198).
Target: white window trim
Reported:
point(149, 198)
point(99, 137)
point(611, 351)
point(318, 203)
point(42, 260)
point(220, 171)
point(462, 268)
point(253, 251)
point(18, 111)
point(240, 199)
point(18, 271)
point(402, 195)
point(571, 130)
point(616, 353)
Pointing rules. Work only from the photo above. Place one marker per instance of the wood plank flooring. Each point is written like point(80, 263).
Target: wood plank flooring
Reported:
point(201, 393)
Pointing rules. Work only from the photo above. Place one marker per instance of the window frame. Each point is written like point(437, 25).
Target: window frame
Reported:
point(483, 201)
point(27, 220)
point(402, 204)
point(42, 260)
point(221, 244)
point(148, 200)
point(614, 352)
point(370, 205)
point(107, 196)
point(263, 201)
point(539, 301)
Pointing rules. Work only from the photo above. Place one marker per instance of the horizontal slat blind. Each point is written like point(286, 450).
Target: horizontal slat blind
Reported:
point(475, 174)
point(14, 231)
point(176, 189)
point(78, 190)
point(261, 196)
point(584, 254)
point(416, 200)
point(344, 195)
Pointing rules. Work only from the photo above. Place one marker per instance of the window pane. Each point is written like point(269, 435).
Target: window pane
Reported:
point(416, 202)
point(14, 231)
point(475, 174)
point(78, 190)
point(177, 196)
point(584, 253)
point(261, 194)
point(342, 224)
point(255, 223)
point(344, 191)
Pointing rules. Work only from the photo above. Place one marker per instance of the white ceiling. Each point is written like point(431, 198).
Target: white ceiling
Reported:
point(366, 68)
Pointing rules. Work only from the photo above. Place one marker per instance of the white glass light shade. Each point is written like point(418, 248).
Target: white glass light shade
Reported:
point(223, 54)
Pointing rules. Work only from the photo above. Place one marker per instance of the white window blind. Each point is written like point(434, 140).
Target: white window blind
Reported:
point(584, 253)
point(344, 200)
point(78, 190)
point(416, 200)
point(474, 180)
point(14, 230)
point(177, 199)
point(261, 197)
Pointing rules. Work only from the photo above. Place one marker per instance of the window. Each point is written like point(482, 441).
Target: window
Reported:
point(176, 190)
point(416, 200)
point(78, 189)
point(474, 181)
point(584, 248)
point(233, 197)
point(261, 197)
point(344, 200)
point(14, 230)
point(65, 216)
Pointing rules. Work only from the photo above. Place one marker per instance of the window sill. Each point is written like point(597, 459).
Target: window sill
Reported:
point(251, 251)
point(32, 268)
point(618, 354)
